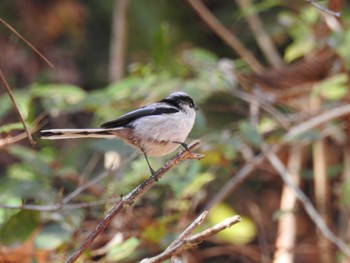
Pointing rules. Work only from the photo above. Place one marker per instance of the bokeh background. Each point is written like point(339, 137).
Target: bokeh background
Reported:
point(271, 80)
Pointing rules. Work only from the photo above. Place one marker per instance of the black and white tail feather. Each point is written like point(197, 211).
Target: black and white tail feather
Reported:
point(58, 134)
point(156, 129)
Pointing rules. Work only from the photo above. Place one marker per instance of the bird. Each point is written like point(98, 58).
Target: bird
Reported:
point(156, 129)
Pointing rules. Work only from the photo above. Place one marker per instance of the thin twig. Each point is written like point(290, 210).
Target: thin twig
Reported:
point(198, 221)
point(230, 39)
point(293, 132)
point(322, 8)
point(309, 208)
point(37, 124)
point(183, 243)
point(316, 121)
point(9, 92)
point(27, 42)
point(93, 181)
point(13, 139)
point(59, 206)
point(239, 177)
point(130, 198)
point(264, 41)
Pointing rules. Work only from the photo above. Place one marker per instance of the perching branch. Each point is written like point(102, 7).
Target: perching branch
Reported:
point(130, 198)
point(184, 242)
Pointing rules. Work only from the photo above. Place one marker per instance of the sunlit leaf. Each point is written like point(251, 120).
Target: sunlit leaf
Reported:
point(299, 48)
point(59, 97)
point(11, 126)
point(123, 250)
point(197, 184)
point(242, 233)
point(333, 88)
point(200, 58)
point(22, 100)
point(6, 213)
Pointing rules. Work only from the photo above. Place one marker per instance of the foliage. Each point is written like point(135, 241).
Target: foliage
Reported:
point(170, 51)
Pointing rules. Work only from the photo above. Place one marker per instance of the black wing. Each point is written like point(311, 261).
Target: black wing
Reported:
point(125, 119)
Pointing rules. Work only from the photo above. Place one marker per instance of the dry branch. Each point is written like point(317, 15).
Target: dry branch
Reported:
point(322, 8)
point(130, 198)
point(287, 223)
point(293, 132)
point(309, 208)
point(230, 39)
point(184, 242)
point(264, 41)
point(9, 92)
point(27, 42)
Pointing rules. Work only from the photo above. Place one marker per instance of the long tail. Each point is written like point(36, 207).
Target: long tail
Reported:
point(57, 134)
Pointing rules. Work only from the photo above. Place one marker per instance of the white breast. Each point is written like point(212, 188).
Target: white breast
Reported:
point(158, 133)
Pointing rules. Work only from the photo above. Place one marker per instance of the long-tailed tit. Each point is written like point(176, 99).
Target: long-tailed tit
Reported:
point(156, 129)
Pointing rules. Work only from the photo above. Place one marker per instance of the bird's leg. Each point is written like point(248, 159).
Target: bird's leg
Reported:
point(184, 145)
point(149, 166)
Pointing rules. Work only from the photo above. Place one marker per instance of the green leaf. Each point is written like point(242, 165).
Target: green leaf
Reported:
point(52, 236)
point(123, 250)
point(299, 48)
point(22, 100)
point(30, 157)
point(250, 133)
point(125, 88)
point(21, 188)
point(6, 213)
point(197, 184)
point(19, 227)
point(200, 58)
point(241, 234)
point(5, 105)
point(333, 88)
point(59, 97)
point(11, 126)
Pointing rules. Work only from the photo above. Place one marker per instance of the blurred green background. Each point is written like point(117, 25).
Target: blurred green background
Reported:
point(168, 47)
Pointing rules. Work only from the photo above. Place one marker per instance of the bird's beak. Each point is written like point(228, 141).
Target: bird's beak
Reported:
point(196, 107)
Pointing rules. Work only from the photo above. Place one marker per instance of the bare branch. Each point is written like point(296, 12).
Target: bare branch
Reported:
point(287, 224)
point(37, 125)
point(27, 42)
point(230, 39)
point(264, 41)
point(130, 198)
point(198, 221)
point(313, 122)
point(309, 208)
point(9, 92)
point(322, 8)
point(183, 243)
